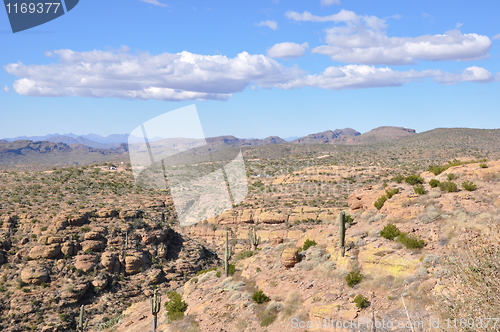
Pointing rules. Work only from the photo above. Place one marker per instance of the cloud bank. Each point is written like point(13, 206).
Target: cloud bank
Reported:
point(363, 39)
point(188, 76)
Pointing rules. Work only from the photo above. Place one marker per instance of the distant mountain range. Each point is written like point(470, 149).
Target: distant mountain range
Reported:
point(71, 149)
point(338, 136)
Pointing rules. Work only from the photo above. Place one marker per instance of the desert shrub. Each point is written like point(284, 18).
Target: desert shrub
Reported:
point(419, 189)
point(434, 183)
point(353, 278)
point(267, 319)
point(473, 271)
point(391, 192)
point(308, 244)
point(260, 297)
point(231, 269)
point(436, 170)
point(448, 186)
point(349, 219)
point(469, 186)
point(398, 178)
point(483, 165)
point(380, 202)
point(390, 231)
point(243, 255)
point(451, 176)
point(205, 271)
point(361, 301)
point(414, 179)
point(175, 306)
point(410, 242)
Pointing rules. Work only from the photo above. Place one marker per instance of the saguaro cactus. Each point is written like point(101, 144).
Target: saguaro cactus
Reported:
point(254, 239)
point(342, 232)
point(155, 304)
point(228, 252)
point(82, 324)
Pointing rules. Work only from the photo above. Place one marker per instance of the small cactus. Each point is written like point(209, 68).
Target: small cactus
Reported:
point(228, 252)
point(155, 304)
point(82, 324)
point(254, 239)
point(342, 232)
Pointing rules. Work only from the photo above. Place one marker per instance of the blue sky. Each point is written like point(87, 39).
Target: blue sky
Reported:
point(254, 68)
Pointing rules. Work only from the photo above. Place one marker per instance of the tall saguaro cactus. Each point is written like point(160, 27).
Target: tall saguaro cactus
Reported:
point(254, 239)
point(342, 232)
point(82, 324)
point(228, 252)
point(155, 305)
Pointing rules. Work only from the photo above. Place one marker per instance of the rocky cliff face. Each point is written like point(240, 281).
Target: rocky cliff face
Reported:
point(105, 259)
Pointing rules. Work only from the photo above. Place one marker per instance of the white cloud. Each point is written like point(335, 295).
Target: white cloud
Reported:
point(458, 25)
point(470, 74)
point(6, 89)
point(287, 50)
point(155, 2)
point(496, 37)
point(330, 2)
point(363, 39)
point(270, 24)
point(358, 76)
point(181, 76)
point(363, 76)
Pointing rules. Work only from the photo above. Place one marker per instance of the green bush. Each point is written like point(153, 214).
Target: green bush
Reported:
point(380, 202)
point(175, 306)
point(308, 244)
point(349, 219)
point(267, 319)
point(469, 186)
point(231, 269)
point(414, 179)
point(483, 165)
point(410, 242)
point(361, 301)
point(451, 176)
point(398, 178)
point(434, 183)
point(353, 278)
point(448, 186)
point(243, 255)
point(260, 297)
point(390, 231)
point(391, 192)
point(419, 189)
point(205, 271)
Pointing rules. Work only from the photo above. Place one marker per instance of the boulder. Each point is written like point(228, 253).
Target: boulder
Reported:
point(69, 249)
point(35, 274)
point(48, 251)
point(135, 262)
point(111, 262)
point(86, 262)
point(93, 245)
point(101, 281)
point(290, 257)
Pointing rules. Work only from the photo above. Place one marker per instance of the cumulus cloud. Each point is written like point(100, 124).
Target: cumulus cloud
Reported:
point(364, 76)
point(287, 50)
point(470, 74)
point(181, 76)
point(6, 89)
point(155, 2)
point(330, 2)
point(270, 24)
point(188, 76)
point(496, 37)
point(363, 39)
